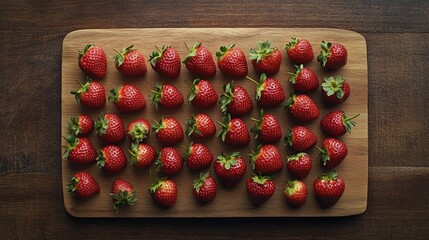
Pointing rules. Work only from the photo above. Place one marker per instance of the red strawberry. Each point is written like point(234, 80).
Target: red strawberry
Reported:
point(79, 151)
point(110, 128)
point(296, 193)
point(267, 160)
point(169, 161)
point(235, 100)
point(167, 96)
point(232, 61)
point(164, 192)
point(335, 91)
point(130, 62)
point(336, 123)
point(329, 188)
point(234, 131)
point(230, 169)
point(127, 98)
point(304, 79)
point(123, 193)
point(299, 51)
point(138, 130)
point(93, 61)
point(267, 128)
point(91, 94)
point(300, 138)
point(266, 59)
point(200, 126)
point(202, 94)
point(269, 91)
point(260, 189)
point(301, 107)
point(332, 56)
point(166, 62)
point(299, 165)
point(112, 159)
point(83, 185)
point(168, 131)
point(142, 155)
point(204, 188)
point(199, 61)
point(198, 156)
point(80, 125)
point(332, 153)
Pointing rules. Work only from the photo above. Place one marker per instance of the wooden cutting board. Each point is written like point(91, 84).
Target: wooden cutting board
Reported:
point(229, 202)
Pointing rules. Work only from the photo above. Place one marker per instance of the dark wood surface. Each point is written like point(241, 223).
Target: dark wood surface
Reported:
point(31, 35)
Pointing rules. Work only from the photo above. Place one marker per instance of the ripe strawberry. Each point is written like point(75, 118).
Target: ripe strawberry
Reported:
point(267, 160)
point(112, 159)
point(79, 151)
point(164, 192)
point(304, 79)
point(83, 185)
point(168, 131)
point(123, 193)
point(199, 61)
point(93, 61)
point(234, 131)
point(299, 51)
point(127, 98)
point(204, 188)
point(267, 128)
point(110, 128)
point(332, 56)
point(269, 91)
point(130, 62)
point(91, 95)
point(200, 126)
point(332, 153)
point(80, 125)
point(230, 169)
point(166, 62)
point(198, 156)
point(138, 130)
point(167, 96)
point(232, 61)
point(266, 59)
point(300, 138)
point(169, 161)
point(301, 107)
point(202, 94)
point(235, 100)
point(296, 193)
point(260, 189)
point(299, 165)
point(336, 123)
point(335, 91)
point(142, 155)
point(329, 188)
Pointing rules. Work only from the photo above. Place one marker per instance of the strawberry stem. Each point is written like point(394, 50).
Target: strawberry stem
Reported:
point(252, 80)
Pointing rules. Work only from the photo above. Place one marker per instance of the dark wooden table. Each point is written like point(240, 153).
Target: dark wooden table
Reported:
point(31, 35)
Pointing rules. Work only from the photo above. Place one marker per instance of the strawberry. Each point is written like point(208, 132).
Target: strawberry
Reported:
point(123, 193)
point(199, 61)
point(166, 62)
point(296, 193)
point(235, 100)
point(336, 123)
point(304, 79)
point(130, 62)
point(299, 165)
point(266, 59)
point(335, 91)
point(91, 94)
point(198, 156)
point(164, 192)
point(299, 51)
point(83, 185)
point(332, 153)
point(167, 96)
point(329, 188)
point(112, 159)
point(110, 128)
point(93, 61)
point(204, 188)
point(232, 61)
point(269, 91)
point(200, 126)
point(202, 94)
point(79, 151)
point(142, 155)
point(169, 161)
point(260, 189)
point(127, 98)
point(267, 160)
point(168, 131)
point(302, 108)
point(300, 138)
point(138, 130)
point(332, 56)
point(234, 131)
point(80, 125)
point(267, 128)
point(230, 169)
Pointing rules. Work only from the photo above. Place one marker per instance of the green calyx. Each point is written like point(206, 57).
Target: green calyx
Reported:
point(334, 86)
point(224, 50)
point(119, 58)
point(291, 187)
point(264, 49)
point(291, 101)
point(260, 86)
point(226, 98)
point(158, 125)
point(101, 125)
point(192, 126)
point(84, 87)
point(225, 127)
point(330, 176)
point(348, 122)
point(259, 179)
point(292, 43)
point(254, 155)
point(72, 142)
point(101, 159)
point(324, 54)
point(122, 198)
point(188, 151)
point(296, 157)
point(289, 138)
point(155, 185)
point(72, 184)
point(324, 155)
point(228, 161)
point(295, 74)
point(73, 126)
point(157, 54)
point(83, 51)
point(191, 52)
point(138, 133)
point(199, 182)
point(156, 94)
point(114, 96)
point(194, 91)
point(258, 124)
point(134, 153)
